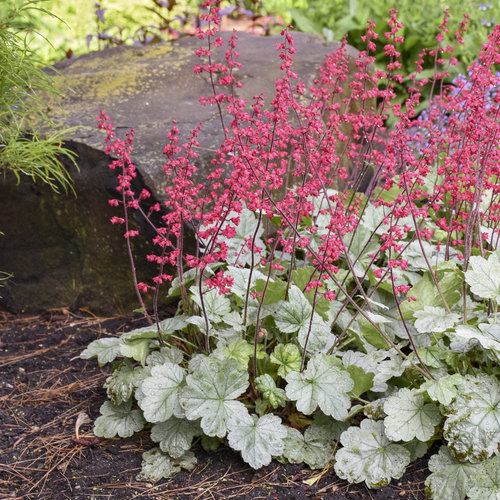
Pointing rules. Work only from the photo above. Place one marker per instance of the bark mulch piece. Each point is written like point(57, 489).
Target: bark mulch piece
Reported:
point(49, 398)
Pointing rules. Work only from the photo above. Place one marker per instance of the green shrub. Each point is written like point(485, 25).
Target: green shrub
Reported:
point(24, 87)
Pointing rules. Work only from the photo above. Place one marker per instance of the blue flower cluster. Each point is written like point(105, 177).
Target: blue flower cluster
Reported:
point(484, 8)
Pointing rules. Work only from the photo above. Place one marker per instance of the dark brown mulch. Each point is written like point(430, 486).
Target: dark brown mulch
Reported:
point(45, 386)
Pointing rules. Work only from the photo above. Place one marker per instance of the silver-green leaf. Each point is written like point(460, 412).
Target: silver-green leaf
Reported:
point(472, 426)
point(158, 465)
point(258, 439)
point(483, 276)
point(267, 387)
point(408, 417)
point(449, 478)
point(161, 392)
point(175, 436)
point(323, 383)
point(119, 420)
point(121, 383)
point(485, 483)
point(106, 350)
point(369, 456)
point(211, 394)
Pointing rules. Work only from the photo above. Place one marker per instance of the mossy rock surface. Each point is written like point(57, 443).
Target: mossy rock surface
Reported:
point(148, 87)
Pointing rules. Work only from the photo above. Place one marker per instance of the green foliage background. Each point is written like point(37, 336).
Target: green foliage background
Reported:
point(421, 19)
point(332, 19)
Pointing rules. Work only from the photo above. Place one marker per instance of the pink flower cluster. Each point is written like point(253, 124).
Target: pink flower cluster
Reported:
point(277, 160)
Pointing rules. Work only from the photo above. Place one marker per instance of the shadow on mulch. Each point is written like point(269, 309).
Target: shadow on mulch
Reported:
point(45, 386)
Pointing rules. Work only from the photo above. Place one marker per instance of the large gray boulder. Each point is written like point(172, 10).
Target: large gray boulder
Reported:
point(61, 249)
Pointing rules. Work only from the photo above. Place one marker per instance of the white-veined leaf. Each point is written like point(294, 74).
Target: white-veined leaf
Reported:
point(121, 383)
point(287, 357)
point(137, 349)
point(211, 394)
point(240, 277)
point(106, 350)
point(165, 355)
point(216, 306)
point(408, 417)
point(444, 389)
point(434, 320)
point(385, 364)
point(258, 439)
point(172, 325)
point(161, 392)
point(369, 456)
point(314, 447)
point(158, 465)
point(483, 276)
point(449, 478)
point(472, 426)
point(485, 483)
point(294, 313)
point(360, 248)
point(319, 336)
point(118, 420)
point(175, 436)
point(488, 335)
point(267, 387)
point(323, 383)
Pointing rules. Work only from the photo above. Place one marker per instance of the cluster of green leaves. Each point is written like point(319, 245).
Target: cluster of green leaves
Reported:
point(26, 149)
point(300, 378)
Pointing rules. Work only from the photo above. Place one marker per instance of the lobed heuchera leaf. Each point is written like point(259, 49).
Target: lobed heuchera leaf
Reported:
point(267, 387)
point(118, 420)
point(211, 394)
point(434, 320)
point(137, 349)
point(317, 334)
point(376, 362)
point(240, 277)
point(449, 278)
point(444, 389)
point(258, 439)
point(368, 455)
point(294, 313)
point(315, 447)
point(363, 381)
point(472, 426)
point(242, 351)
point(449, 478)
point(408, 417)
point(121, 383)
point(485, 483)
point(106, 350)
point(488, 335)
point(323, 383)
point(216, 305)
point(160, 392)
point(165, 355)
point(175, 436)
point(287, 357)
point(157, 465)
point(483, 276)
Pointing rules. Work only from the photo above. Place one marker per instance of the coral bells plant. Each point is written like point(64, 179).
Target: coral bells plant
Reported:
point(317, 323)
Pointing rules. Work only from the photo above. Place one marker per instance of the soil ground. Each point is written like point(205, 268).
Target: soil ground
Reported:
point(45, 387)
